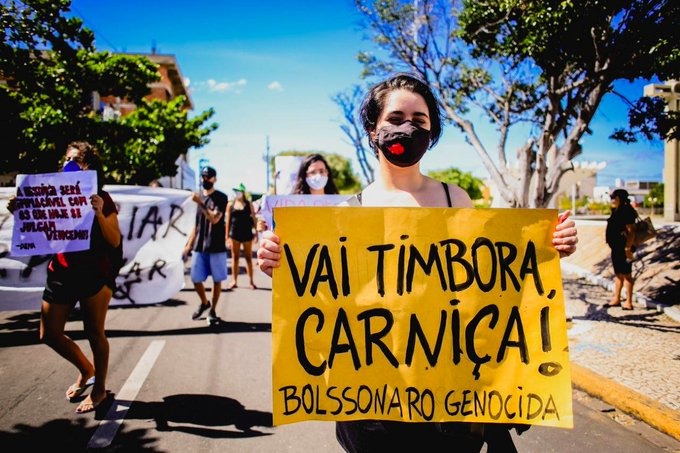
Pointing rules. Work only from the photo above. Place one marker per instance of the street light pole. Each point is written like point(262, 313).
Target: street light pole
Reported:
point(266, 158)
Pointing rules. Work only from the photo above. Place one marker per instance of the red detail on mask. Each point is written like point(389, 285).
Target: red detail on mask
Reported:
point(396, 149)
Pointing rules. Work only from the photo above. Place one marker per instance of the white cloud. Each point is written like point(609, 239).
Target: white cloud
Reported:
point(275, 86)
point(215, 86)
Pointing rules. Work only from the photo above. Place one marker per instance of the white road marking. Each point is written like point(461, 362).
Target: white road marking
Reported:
point(109, 426)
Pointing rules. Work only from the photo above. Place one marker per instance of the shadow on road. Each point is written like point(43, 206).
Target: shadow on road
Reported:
point(202, 415)
point(22, 329)
point(71, 436)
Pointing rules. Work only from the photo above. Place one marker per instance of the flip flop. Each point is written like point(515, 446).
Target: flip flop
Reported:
point(626, 307)
point(76, 391)
point(232, 285)
point(253, 286)
point(86, 406)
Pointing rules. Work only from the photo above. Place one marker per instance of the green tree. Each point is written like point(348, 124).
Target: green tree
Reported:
point(51, 70)
point(349, 103)
point(343, 175)
point(542, 66)
point(464, 180)
point(151, 139)
point(655, 197)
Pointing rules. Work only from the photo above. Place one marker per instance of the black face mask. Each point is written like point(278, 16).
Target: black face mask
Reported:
point(403, 145)
point(207, 185)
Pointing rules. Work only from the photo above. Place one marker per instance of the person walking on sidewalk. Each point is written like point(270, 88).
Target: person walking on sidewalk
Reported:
point(622, 214)
point(240, 224)
point(207, 244)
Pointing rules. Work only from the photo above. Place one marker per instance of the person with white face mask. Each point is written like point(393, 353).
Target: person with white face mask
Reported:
point(314, 177)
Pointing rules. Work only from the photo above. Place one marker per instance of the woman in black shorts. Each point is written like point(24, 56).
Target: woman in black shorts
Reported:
point(240, 224)
point(87, 277)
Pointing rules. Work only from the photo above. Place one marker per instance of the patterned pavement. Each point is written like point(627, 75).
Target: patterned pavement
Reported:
point(630, 359)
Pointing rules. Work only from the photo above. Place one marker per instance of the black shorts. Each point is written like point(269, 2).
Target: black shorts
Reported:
point(68, 287)
point(368, 436)
point(621, 265)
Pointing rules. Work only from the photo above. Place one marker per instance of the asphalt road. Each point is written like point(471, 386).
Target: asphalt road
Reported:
point(178, 385)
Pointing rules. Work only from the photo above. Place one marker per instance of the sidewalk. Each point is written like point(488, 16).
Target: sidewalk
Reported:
point(628, 359)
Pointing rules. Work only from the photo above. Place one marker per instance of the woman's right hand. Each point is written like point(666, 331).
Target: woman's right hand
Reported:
point(269, 252)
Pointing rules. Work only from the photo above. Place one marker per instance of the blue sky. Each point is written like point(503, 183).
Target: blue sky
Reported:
point(270, 68)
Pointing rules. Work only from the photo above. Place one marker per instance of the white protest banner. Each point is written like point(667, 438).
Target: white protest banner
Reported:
point(155, 223)
point(53, 212)
point(287, 201)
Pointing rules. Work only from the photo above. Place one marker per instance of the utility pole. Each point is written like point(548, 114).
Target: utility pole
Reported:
point(670, 92)
point(266, 158)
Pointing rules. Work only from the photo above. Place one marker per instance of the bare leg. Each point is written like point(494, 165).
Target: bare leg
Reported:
point(94, 321)
point(200, 290)
point(217, 292)
point(248, 252)
point(618, 284)
point(53, 319)
point(235, 258)
point(628, 282)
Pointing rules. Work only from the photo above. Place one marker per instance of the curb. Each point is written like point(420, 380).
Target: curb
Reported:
point(628, 401)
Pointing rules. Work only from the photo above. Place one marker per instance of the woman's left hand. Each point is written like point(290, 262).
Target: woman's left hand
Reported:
point(564, 237)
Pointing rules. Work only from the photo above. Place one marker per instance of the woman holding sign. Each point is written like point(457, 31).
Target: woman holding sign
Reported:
point(403, 120)
point(89, 277)
point(314, 177)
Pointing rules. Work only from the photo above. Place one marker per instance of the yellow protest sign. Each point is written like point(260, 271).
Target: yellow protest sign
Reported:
point(419, 314)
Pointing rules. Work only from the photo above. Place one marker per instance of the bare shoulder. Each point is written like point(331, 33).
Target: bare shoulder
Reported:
point(459, 197)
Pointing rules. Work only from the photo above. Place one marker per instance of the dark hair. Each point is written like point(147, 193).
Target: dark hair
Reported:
point(622, 195)
point(90, 156)
point(302, 188)
point(374, 104)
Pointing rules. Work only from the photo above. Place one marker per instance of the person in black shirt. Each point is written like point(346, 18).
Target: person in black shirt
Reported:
point(207, 244)
point(622, 214)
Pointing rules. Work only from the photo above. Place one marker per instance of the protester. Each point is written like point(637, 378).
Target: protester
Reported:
point(402, 119)
point(87, 277)
point(622, 214)
point(240, 224)
point(315, 177)
point(207, 244)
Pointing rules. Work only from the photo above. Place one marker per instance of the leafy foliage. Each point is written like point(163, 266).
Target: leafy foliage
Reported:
point(51, 70)
point(349, 103)
point(655, 197)
point(464, 180)
point(543, 66)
